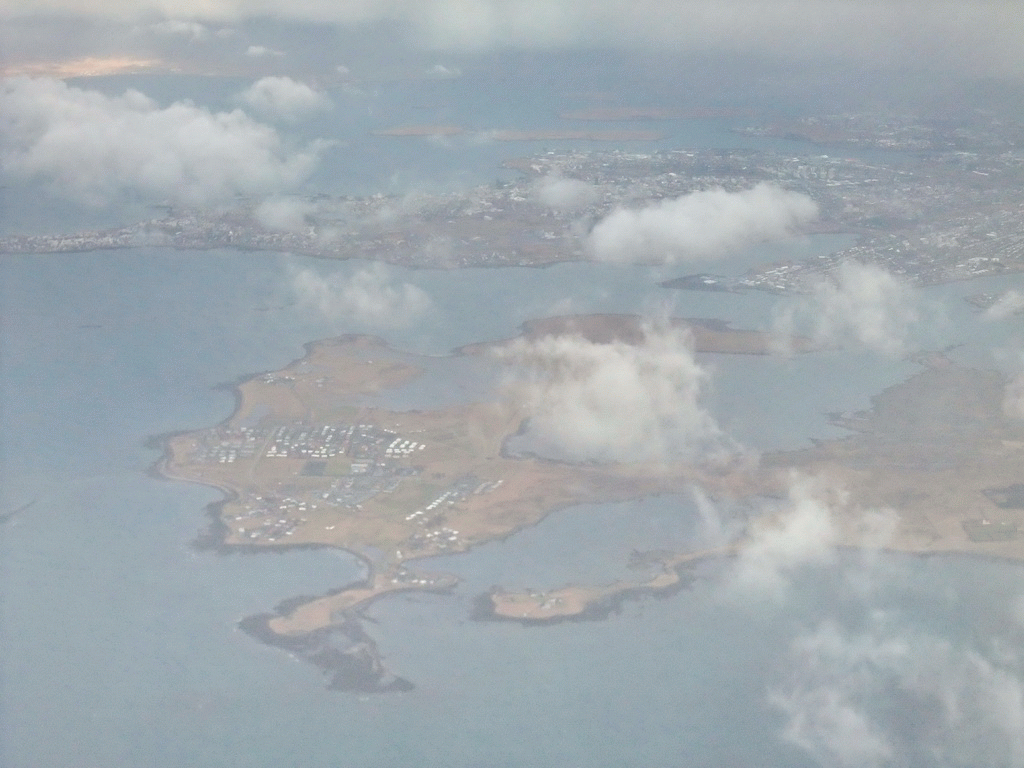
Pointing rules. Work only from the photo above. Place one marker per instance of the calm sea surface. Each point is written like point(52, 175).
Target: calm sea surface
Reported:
point(119, 640)
point(118, 645)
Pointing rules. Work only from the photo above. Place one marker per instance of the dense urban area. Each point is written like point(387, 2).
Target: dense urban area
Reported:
point(931, 203)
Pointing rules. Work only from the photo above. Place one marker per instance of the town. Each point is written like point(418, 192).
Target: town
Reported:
point(336, 467)
point(948, 210)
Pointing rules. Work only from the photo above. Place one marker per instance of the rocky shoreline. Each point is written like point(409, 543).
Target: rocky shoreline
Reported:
point(344, 652)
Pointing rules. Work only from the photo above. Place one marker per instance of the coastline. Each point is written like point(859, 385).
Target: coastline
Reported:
point(517, 134)
point(598, 609)
point(326, 630)
point(579, 603)
point(553, 260)
point(344, 652)
point(277, 250)
point(356, 665)
point(214, 537)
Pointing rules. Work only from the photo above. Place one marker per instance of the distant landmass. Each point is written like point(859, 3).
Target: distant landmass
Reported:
point(518, 134)
point(612, 114)
point(708, 335)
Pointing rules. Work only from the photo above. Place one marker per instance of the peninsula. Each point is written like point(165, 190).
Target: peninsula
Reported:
point(308, 460)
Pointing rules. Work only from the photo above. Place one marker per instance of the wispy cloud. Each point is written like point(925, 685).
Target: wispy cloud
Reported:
point(862, 683)
point(190, 29)
point(1013, 397)
point(804, 534)
point(1009, 304)
point(368, 297)
point(286, 214)
point(262, 51)
point(886, 693)
point(564, 194)
point(861, 305)
point(442, 72)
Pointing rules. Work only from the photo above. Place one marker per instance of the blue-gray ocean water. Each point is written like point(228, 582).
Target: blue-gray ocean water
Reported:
point(119, 640)
point(118, 644)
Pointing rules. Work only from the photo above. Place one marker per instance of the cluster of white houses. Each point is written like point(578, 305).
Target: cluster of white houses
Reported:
point(400, 447)
point(226, 445)
point(375, 466)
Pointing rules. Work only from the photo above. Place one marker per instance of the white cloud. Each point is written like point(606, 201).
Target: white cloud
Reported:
point(367, 297)
point(283, 98)
point(184, 28)
point(712, 531)
point(864, 684)
point(1013, 398)
point(1013, 393)
point(615, 401)
point(1011, 362)
point(93, 147)
point(564, 194)
point(861, 304)
point(1009, 304)
point(443, 72)
point(700, 225)
point(832, 730)
point(260, 51)
point(286, 214)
